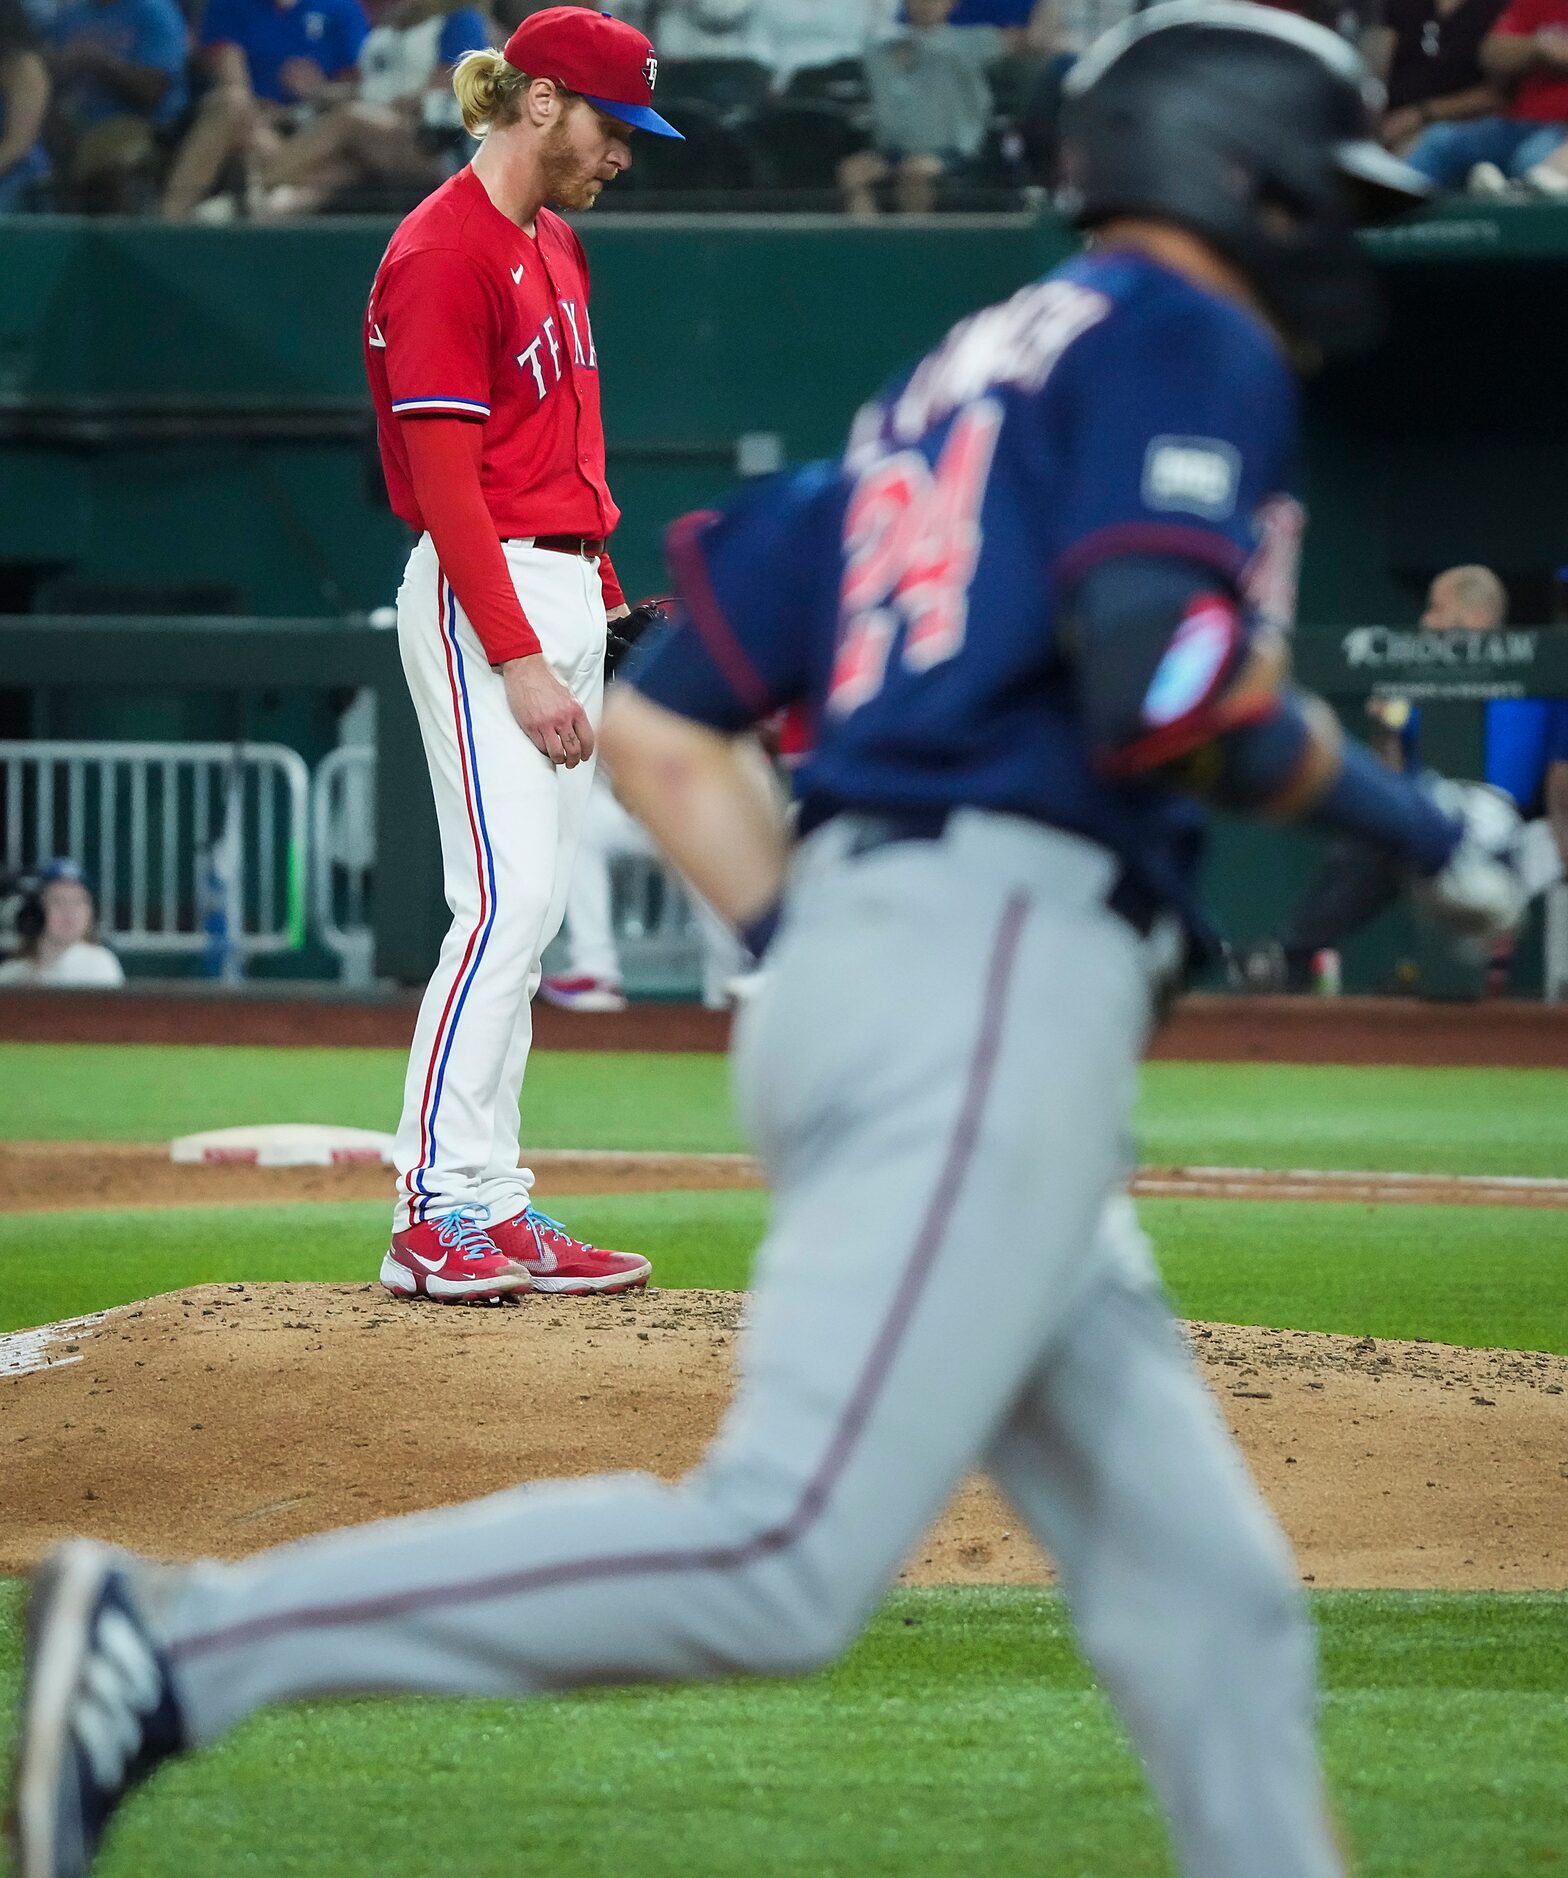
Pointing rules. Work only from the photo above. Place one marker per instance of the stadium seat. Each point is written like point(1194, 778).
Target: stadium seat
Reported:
point(735, 87)
point(802, 143)
point(715, 160)
point(843, 83)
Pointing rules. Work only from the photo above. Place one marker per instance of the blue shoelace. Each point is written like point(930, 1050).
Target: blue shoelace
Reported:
point(466, 1231)
point(535, 1219)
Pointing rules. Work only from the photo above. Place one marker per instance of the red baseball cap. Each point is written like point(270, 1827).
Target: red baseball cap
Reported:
point(602, 59)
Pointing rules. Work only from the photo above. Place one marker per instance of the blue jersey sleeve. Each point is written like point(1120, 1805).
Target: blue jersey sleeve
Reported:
point(1516, 737)
point(223, 23)
point(1180, 422)
point(462, 31)
point(1557, 732)
point(991, 13)
point(350, 29)
point(161, 38)
point(756, 590)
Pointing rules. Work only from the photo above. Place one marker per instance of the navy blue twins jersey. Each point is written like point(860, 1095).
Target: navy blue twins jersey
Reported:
point(914, 595)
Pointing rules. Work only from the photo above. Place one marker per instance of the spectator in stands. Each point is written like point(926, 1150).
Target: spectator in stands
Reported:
point(1428, 54)
point(1058, 27)
point(1058, 31)
point(1355, 882)
point(930, 105)
point(58, 929)
point(1526, 56)
point(702, 29)
point(809, 35)
point(24, 104)
point(271, 64)
point(119, 79)
point(401, 126)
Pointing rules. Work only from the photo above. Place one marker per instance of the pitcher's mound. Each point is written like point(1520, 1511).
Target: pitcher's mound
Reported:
point(230, 1417)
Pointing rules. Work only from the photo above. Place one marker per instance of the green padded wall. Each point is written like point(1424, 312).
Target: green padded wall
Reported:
point(1447, 445)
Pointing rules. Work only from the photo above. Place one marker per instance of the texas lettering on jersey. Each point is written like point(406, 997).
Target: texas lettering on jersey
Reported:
point(473, 317)
point(542, 355)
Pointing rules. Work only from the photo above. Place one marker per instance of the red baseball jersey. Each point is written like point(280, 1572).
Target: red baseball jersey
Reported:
point(1539, 97)
point(471, 317)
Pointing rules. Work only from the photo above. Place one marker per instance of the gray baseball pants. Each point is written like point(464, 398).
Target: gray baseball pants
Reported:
point(939, 1078)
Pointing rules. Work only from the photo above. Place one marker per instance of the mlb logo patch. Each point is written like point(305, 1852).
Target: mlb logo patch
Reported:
point(1200, 475)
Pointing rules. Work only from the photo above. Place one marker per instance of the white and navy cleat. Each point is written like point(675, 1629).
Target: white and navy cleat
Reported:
point(99, 1711)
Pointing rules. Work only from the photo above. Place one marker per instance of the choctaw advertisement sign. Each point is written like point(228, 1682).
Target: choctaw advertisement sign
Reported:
point(1407, 663)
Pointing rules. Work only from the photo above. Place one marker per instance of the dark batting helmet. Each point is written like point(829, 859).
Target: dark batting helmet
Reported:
point(1257, 131)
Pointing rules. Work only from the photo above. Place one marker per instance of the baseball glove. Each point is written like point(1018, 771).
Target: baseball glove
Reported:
point(626, 631)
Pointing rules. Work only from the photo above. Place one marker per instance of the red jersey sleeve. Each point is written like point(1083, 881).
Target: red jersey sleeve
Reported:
point(1519, 19)
point(443, 457)
point(440, 323)
point(610, 585)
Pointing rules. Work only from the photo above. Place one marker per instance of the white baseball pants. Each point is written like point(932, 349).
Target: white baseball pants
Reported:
point(510, 820)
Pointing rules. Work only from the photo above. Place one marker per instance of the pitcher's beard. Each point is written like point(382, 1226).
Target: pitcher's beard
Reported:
point(566, 182)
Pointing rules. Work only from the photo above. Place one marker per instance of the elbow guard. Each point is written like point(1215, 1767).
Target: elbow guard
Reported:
point(1159, 654)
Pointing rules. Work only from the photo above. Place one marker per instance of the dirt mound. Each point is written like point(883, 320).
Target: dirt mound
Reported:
point(43, 1176)
point(226, 1418)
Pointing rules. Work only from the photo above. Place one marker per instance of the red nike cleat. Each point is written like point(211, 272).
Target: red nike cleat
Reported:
point(453, 1260)
point(555, 1261)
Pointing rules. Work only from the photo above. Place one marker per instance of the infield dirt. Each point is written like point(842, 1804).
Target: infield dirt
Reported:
point(44, 1176)
point(230, 1417)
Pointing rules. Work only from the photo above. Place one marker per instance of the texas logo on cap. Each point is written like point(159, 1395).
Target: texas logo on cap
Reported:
point(602, 59)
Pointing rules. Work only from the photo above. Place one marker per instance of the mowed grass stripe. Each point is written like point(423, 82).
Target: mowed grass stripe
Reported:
point(1485, 1276)
point(962, 1734)
point(153, 1092)
point(1456, 1121)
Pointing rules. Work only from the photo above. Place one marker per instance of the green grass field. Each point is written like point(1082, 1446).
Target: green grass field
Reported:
point(962, 1735)
point(1476, 1275)
point(1456, 1121)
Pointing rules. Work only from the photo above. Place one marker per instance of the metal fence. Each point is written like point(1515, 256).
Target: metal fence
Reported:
point(343, 857)
point(232, 849)
point(1556, 944)
point(194, 847)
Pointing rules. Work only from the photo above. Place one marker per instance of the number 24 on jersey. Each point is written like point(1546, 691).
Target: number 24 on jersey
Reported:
point(911, 541)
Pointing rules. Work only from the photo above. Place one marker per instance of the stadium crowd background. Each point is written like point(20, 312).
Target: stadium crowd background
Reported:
point(275, 109)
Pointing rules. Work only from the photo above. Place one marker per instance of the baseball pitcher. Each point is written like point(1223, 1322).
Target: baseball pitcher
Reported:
point(482, 363)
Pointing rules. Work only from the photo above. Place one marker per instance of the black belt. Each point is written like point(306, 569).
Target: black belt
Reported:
point(588, 546)
point(1129, 898)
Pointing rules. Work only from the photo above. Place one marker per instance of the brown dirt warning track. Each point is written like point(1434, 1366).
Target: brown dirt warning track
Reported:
point(1204, 1027)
